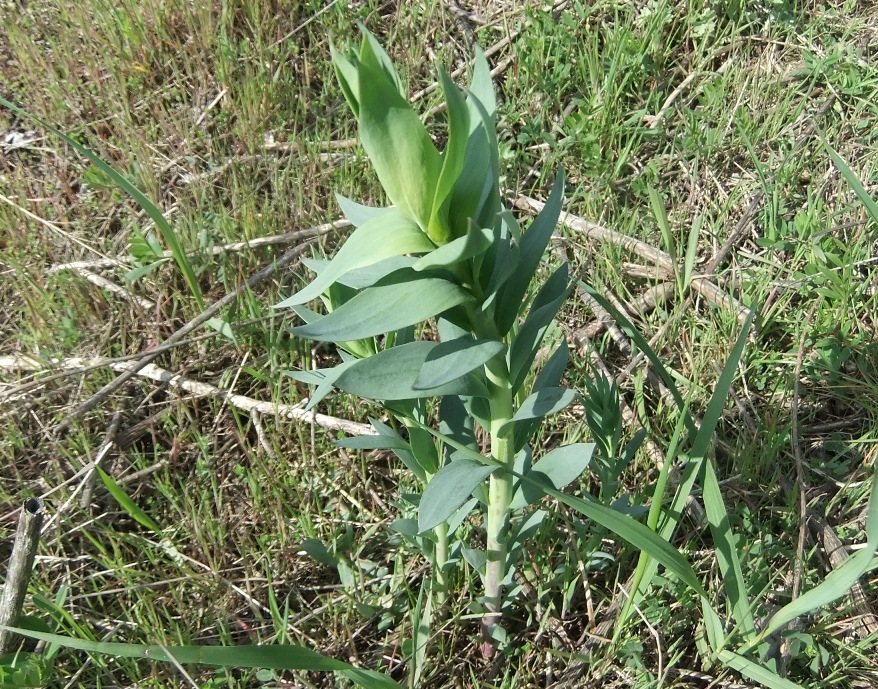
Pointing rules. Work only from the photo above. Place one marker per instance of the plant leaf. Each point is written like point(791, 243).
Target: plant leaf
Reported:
point(449, 489)
point(388, 235)
point(475, 241)
point(452, 359)
point(539, 404)
point(383, 308)
point(357, 213)
point(533, 244)
point(390, 375)
point(452, 158)
point(273, 657)
point(558, 468)
point(402, 152)
point(527, 342)
point(839, 581)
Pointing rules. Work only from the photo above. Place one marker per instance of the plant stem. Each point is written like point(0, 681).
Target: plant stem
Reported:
point(499, 499)
point(440, 574)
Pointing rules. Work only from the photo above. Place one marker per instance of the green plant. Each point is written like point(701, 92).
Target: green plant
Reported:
point(445, 250)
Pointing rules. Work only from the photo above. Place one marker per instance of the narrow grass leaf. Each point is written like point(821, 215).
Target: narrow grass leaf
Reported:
point(455, 358)
point(384, 308)
point(142, 200)
point(391, 234)
point(851, 178)
point(274, 657)
point(126, 503)
point(628, 328)
point(727, 553)
point(839, 581)
point(449, 489)
point(755, 672)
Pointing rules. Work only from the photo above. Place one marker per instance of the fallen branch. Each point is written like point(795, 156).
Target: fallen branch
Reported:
point(198, 389)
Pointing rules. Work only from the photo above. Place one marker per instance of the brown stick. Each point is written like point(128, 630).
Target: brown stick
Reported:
point(21, 563)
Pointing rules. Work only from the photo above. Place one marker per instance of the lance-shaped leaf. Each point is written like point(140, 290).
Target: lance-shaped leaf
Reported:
point(533, 244)
point(391, 234)
point(373, 54)
point(527, 342)
point(450, 360)
point(548, 377)
point(383, 308)
point(474, 242)
point(452, 158)
point(360, 278)
point(390, 375)
point(558, 468)
point(449, 489)
point(348, 78)
point(399, 147)
point(323, 378)
point(357, 213)
point(542, 403)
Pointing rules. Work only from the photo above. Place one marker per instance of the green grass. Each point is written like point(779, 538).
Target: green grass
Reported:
point(772, 82)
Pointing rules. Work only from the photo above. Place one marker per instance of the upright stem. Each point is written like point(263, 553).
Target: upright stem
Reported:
point(440, 574)
point(499, 499)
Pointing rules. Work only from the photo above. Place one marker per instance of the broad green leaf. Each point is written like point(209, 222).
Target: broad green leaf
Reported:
point(533, 245)
point(527, 342)
point(482, 85)
point(366, 277)
point(449, 489)
point(272, 657)
point(539, 404)
point(388, 235)
point(839, 581)
point(452, 158)
point(390, 375)
point(455, 422)
point(380, 309)
point(357, 213)
point(141, 199)
point(501, 261)
point(402, 152)
point(558, 468)
point(451, 360)
point(424, 450)
point(475, 241)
